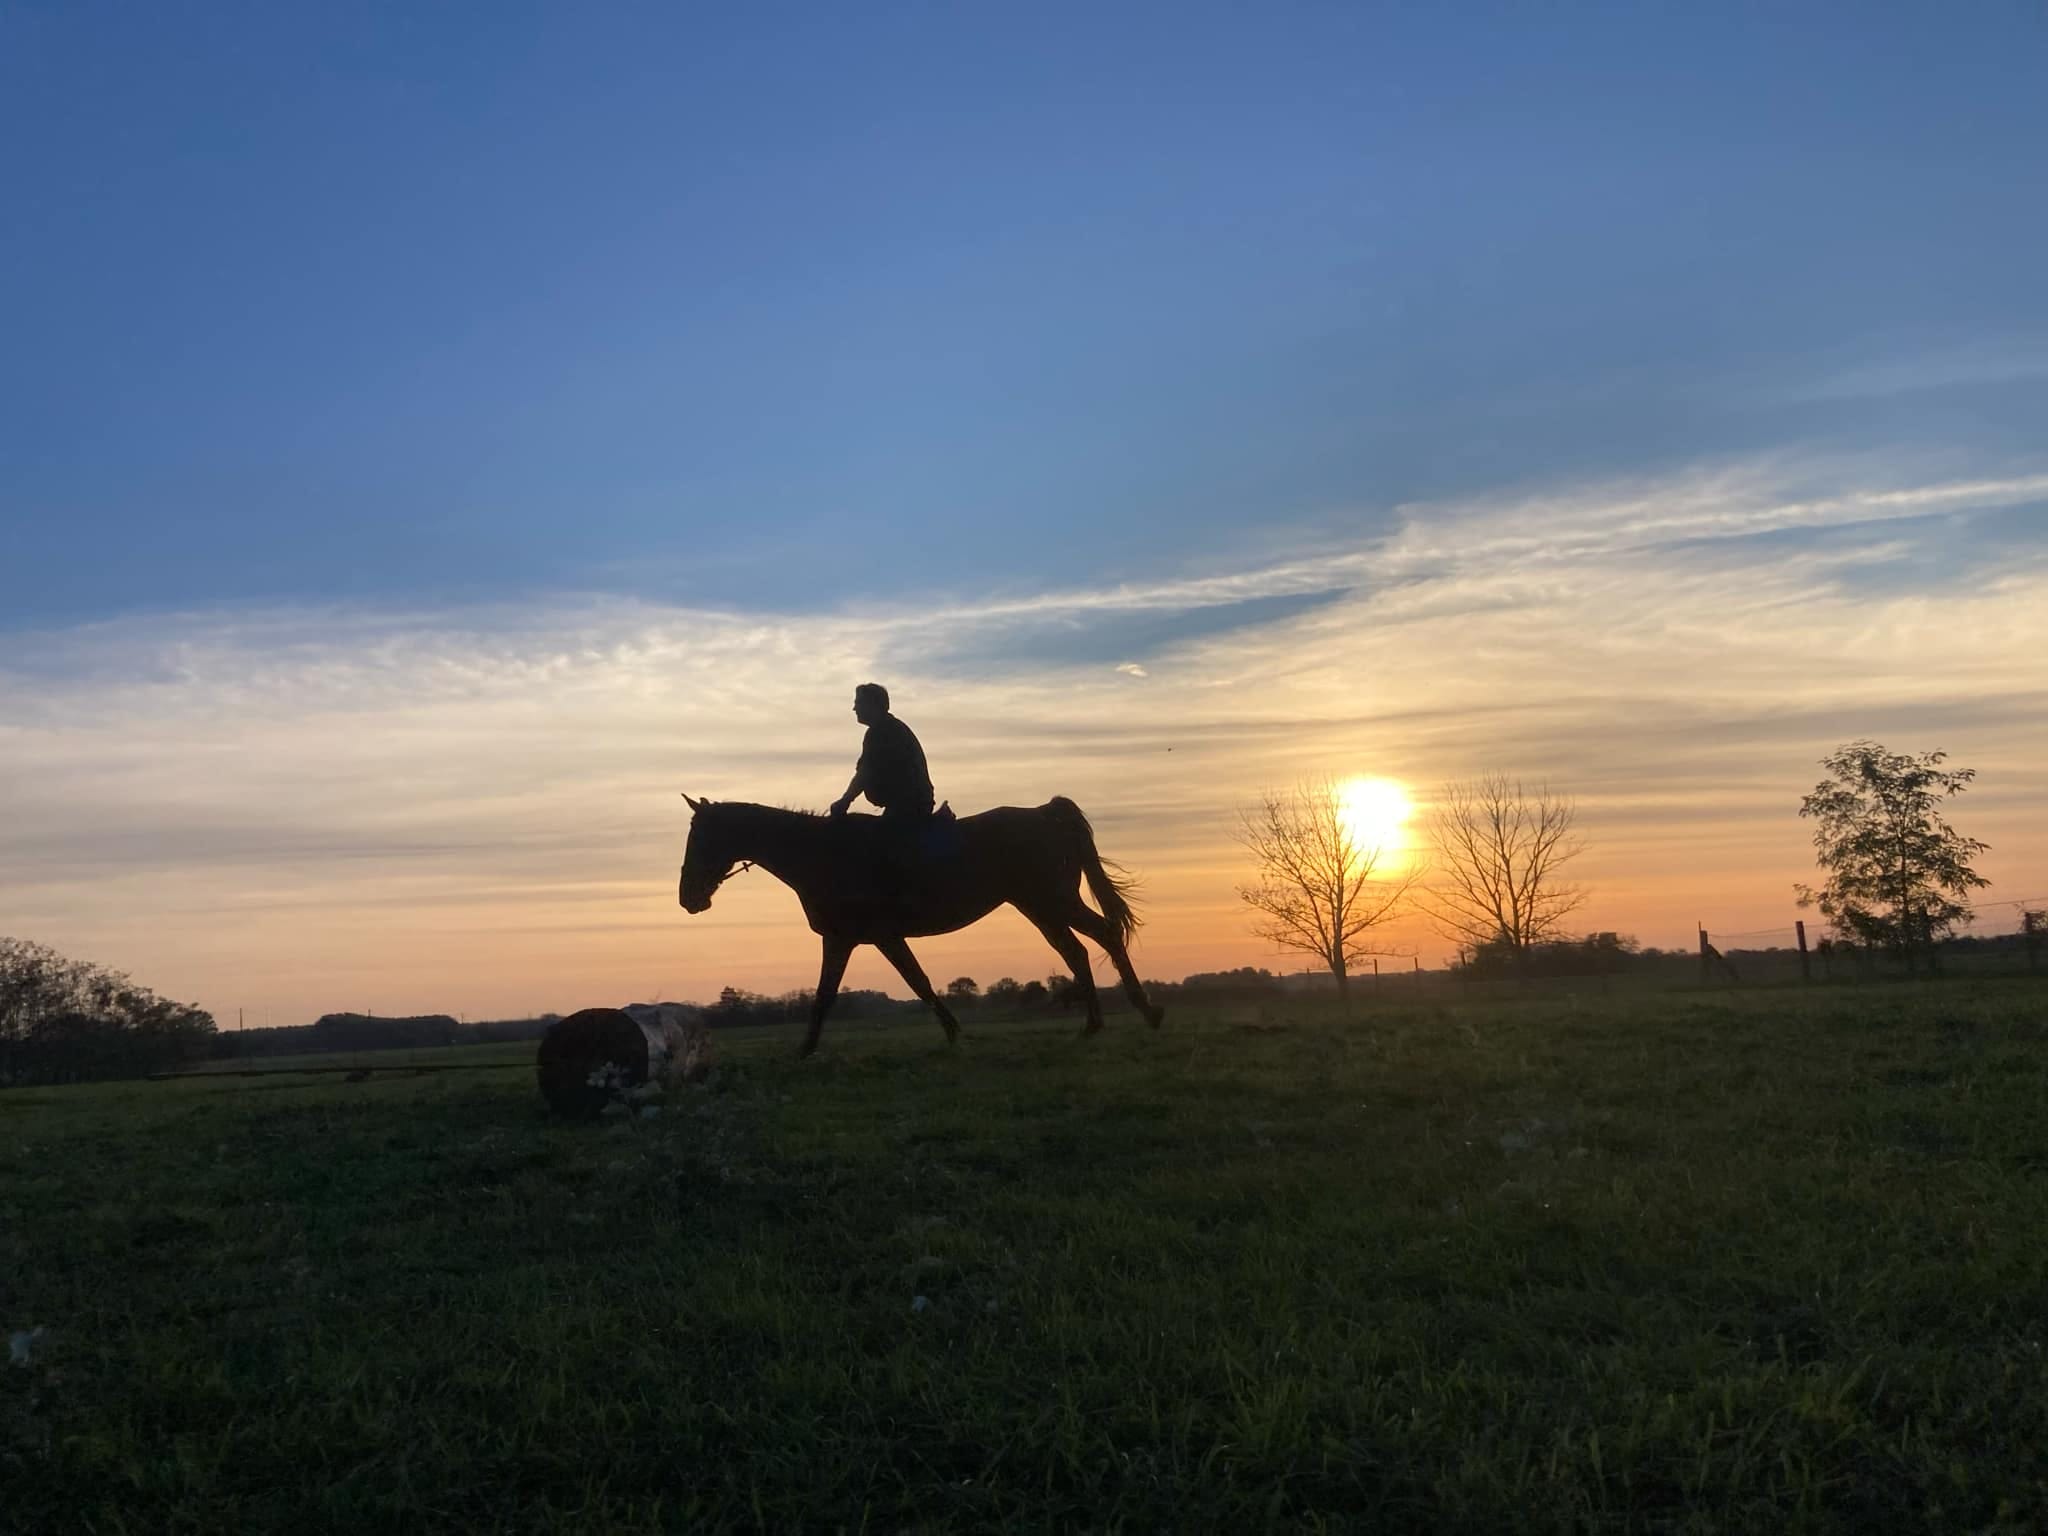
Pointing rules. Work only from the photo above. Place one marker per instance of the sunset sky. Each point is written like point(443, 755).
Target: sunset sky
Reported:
point(432, 439)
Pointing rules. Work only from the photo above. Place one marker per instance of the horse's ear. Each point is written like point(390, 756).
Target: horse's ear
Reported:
point(695, 805)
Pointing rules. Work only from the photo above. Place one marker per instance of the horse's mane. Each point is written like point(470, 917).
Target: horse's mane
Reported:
point(752, 808)
point(943, 813)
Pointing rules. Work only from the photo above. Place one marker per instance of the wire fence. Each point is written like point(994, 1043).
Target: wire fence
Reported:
point(2003, 936)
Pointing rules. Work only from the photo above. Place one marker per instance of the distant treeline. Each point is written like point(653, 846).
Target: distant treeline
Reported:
point(373, 1032)
point(737, 1006)
point(1608, 955)
point(68, 1021)
point(1596, 954)
point(1245, 981)
point(406, 1033)
point(1612, 955)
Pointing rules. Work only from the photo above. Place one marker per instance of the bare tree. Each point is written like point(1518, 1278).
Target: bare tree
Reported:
point(1499, 851)
point(1318, 890)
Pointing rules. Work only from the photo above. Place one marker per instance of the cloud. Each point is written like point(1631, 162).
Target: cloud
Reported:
point(479, 810)
point(2006, 361)
point(978, 643)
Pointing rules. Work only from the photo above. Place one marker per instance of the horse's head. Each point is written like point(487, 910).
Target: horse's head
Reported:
point(708, 858)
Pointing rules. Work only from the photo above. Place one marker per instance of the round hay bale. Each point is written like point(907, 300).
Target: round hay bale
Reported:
point(594, 1058)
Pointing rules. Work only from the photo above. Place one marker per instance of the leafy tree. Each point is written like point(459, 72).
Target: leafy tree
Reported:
point(63, 1020)
point(1595, 954)
point(963, 989)
point(1318, 890)
point(733, 1005)
point(1004, 993)
point(1500, 849)
point(1897, 872)
point(1032, 993)
point(1245, 979)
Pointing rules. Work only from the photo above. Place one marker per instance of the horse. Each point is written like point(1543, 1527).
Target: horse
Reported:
point(1032, 857)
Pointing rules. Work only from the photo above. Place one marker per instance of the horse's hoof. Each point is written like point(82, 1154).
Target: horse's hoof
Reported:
point(1092, 1027)
point(1155, 1015)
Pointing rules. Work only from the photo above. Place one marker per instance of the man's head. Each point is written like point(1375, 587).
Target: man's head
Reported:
point(870, 703)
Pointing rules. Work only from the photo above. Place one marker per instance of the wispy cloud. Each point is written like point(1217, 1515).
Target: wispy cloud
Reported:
point(2009, 360)
point(980, 642)
point(479, 810)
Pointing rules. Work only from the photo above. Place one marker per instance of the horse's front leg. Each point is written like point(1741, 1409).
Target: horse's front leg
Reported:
point(898, 954)
point(830, 974)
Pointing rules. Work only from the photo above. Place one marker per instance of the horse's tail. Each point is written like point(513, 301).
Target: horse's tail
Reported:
point(1112, 888)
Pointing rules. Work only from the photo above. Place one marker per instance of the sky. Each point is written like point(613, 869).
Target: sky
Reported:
point(430, 440)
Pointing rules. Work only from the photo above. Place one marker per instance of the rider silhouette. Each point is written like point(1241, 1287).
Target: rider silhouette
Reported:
point(892, 774)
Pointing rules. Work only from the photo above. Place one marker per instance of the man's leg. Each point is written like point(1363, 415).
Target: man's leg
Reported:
point(902, 858)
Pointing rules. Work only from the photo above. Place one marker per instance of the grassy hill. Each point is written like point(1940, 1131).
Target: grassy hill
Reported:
point(1697, 1261)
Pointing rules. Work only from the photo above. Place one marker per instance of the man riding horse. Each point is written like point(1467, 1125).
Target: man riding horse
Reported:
point(1032, 858)
point(891, 771)
point(892, 774)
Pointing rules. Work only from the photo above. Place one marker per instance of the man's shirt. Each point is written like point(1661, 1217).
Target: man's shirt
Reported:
point(892, 767)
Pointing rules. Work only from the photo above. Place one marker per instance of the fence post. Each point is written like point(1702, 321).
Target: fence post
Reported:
point(1805, 960)
point(1706, 966)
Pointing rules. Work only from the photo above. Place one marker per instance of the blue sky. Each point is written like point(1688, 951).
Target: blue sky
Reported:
point(807, 305)
point(433, 436)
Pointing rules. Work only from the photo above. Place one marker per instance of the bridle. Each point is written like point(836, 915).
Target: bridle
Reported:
point(738, 869)
point(711, 890)
point(741, 867)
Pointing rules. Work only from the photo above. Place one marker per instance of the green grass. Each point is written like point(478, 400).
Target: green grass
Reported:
point(395, 1059)
point(1701, 1262)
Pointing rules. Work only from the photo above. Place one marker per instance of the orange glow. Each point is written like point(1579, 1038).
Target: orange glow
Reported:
point(1376, 813)
point(459, 816)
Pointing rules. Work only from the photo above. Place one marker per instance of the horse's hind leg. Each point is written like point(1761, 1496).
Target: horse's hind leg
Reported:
point(1103, 932)
point(1069, 949)
point(898, 954)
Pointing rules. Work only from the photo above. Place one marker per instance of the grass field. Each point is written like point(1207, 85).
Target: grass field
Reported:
point(498, 1054)
point(1764, 1261)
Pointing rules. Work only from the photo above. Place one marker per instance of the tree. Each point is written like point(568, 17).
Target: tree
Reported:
point(1897, 872)
point(1499, 852)
point(63, 1020)
point(1003, 993)
point(1595, 954)
point(1318, 890)
point(963, 989)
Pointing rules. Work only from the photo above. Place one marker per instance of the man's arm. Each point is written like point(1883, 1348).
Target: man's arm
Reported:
point(853, 788)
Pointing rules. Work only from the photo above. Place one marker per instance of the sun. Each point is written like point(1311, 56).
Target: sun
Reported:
point(1375, 812)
